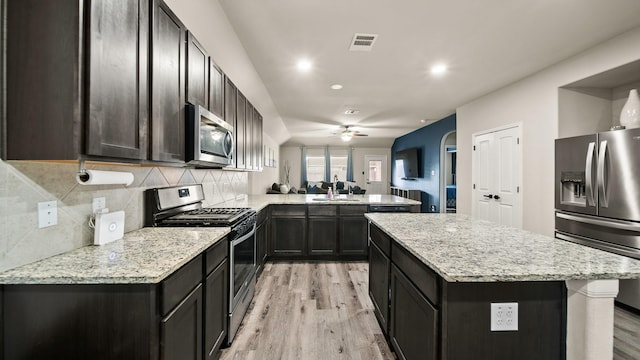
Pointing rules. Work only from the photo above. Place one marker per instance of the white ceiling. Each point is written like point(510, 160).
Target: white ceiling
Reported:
point(487, 44)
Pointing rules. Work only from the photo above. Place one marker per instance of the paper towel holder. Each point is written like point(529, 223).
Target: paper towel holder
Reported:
point(82, 171)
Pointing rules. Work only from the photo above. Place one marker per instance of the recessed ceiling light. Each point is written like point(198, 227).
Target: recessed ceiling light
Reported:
point(336, 87)
point(304, 65)
point(423, 121)
point(351, 112)
point(438, 69)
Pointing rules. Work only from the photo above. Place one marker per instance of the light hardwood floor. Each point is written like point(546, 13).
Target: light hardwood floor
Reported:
point(321, 310)
point(626, 335)
point(310, 310)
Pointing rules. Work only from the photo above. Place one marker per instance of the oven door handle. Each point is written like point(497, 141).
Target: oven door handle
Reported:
point(244, 237)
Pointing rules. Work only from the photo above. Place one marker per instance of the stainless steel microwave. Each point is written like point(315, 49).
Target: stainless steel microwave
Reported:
point(209, 141)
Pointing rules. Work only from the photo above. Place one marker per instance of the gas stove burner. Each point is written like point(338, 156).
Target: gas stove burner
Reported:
point(209, 217)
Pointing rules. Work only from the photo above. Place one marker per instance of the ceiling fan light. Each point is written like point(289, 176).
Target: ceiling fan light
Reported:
point(346, 136)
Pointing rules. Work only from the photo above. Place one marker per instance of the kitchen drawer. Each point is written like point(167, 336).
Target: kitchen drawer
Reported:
point(216, 254)
point(180, 283)
point(382, 240)
point(353, 210)
point(289, 210)
point(425, 279)
point(323, 210)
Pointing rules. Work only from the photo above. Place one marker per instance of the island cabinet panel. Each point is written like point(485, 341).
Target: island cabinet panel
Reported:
point(413, 325)
point(353, 231)
point(288, 231)
point(425, 279)
point(197, 72)
point(323, 229)
point(541, 321)
point(168, 90)
point(379, 272)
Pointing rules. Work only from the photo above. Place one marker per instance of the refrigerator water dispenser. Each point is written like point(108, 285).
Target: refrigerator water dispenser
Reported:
point(573, 188)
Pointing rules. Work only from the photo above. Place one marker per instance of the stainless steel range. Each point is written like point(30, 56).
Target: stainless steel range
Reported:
point(182, 206)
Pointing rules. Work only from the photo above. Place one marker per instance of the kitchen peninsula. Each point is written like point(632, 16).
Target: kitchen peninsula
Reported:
point(443, 272)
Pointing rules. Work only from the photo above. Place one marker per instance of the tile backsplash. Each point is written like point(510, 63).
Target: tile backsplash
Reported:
point(24, 184)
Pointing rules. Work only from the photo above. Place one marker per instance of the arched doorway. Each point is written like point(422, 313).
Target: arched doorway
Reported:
point(448, 155)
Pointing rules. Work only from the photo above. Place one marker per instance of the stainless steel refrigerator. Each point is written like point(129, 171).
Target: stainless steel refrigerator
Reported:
point(597, 181)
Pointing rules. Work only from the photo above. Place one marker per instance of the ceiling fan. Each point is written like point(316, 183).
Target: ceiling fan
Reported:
point(347, 133)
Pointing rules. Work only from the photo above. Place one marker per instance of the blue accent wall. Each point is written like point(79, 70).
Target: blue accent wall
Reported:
point(427, 140)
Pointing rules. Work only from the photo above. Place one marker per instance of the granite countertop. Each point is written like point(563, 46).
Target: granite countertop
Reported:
point(259, 202)
point(144, 256)
point(462, 249)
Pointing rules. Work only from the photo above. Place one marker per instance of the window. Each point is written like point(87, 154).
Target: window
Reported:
point(375, 170)
point(315, 166)
point(338, 164)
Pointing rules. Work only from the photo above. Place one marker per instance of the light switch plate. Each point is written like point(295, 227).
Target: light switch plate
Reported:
point(47, 214)
point(108, 227)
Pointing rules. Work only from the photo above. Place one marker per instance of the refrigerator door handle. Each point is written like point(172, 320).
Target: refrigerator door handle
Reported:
point(629, 226)
point(616, 249)
point(591, 200)
point(602, 177)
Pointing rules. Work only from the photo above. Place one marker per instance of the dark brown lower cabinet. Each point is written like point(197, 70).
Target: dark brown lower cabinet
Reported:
point(215, 310)
point(379, 268)
point(413, 326)
point(178, 318)
point(323, 229)
point(288, 231)
point(262, 231)
point(353, 231)
point(181, 330)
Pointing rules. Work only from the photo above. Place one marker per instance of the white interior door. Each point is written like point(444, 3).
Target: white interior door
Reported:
point(375, 174)
point(497, 169)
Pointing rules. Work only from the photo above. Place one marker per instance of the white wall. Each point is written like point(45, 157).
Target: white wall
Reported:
point(533, 101)
point(293, 156)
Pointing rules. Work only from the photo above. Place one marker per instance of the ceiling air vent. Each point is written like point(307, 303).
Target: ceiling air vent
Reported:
point(363, 42)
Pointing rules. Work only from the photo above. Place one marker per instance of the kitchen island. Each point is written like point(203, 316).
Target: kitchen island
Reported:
point(449, 268)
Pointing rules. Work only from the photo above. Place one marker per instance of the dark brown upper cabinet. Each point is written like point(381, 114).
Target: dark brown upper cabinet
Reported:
point(197, 72)
point(168, 99)
point(216, 90)
point(257, 140)
point(248, 136)
point(51, 114)
point(240, 130)
point(230, 111)
point(117, 88)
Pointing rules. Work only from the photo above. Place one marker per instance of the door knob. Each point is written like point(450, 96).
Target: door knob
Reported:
point(488, 196)
point(497, 197)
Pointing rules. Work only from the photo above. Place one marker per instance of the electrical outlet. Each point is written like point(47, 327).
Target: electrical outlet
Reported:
point(47, 214)
point(99, 204)
point(504, 316)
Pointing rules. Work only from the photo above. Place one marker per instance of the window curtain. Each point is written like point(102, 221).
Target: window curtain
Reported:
point(327, 164)
point(303, 167)
point(350, 164)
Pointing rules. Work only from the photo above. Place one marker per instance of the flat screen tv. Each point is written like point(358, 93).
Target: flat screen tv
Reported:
point(407, 163)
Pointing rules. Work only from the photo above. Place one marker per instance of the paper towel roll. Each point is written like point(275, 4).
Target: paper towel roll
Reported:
point(99, 177)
